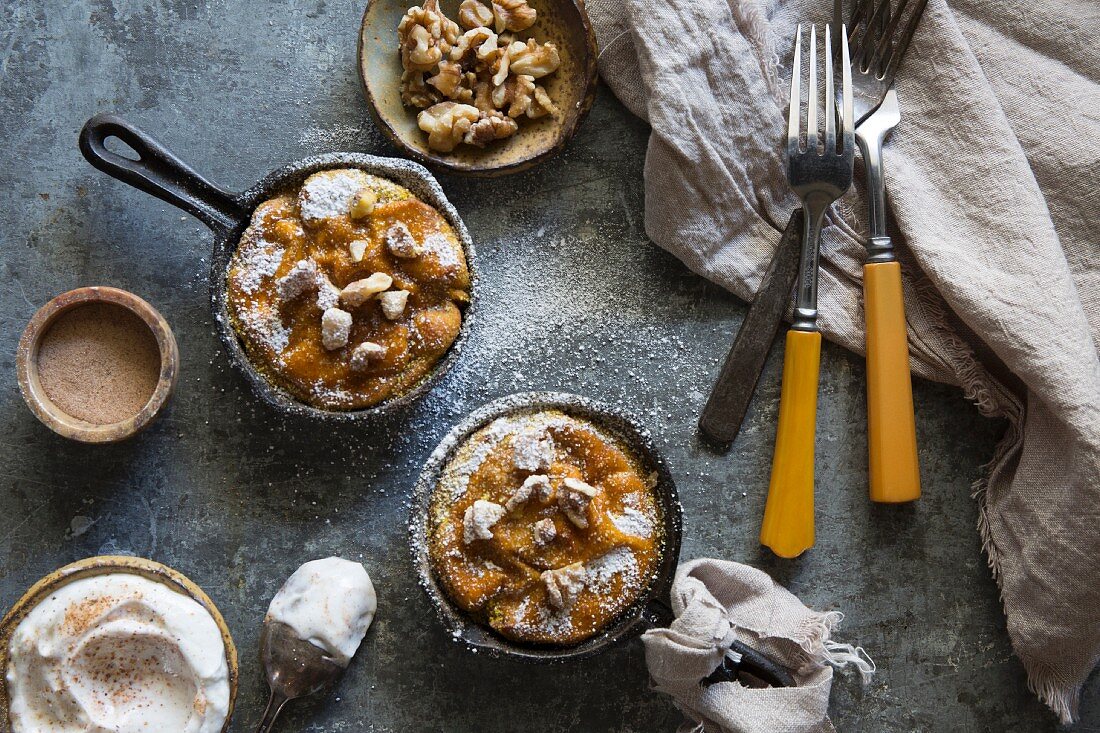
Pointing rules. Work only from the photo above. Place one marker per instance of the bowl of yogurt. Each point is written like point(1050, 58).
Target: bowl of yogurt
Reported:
point(120, 644)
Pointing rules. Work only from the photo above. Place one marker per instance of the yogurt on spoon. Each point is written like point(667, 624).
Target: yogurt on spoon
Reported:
point(330, 603)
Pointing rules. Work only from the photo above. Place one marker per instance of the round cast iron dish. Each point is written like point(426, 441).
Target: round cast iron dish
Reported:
point(651, 609)
point(159, 172)
point(572, 88)
point(106, 565)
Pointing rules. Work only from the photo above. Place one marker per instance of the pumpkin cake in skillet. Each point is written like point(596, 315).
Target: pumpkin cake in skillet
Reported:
point(544, 528)
point(347, 291)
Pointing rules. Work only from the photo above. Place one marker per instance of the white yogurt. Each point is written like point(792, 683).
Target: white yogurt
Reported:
point(118, 653)
point(330, 603)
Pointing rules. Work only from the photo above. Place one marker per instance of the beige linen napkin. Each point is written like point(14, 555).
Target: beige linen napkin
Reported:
point(718, 602)
point(992, 181)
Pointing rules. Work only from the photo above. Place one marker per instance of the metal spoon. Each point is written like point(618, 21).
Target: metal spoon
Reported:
point(294, 667)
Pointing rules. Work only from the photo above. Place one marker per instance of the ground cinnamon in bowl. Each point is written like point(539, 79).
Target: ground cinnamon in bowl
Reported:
point(99, 362)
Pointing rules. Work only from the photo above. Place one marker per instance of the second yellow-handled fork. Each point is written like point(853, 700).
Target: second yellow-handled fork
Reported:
point(819, 176)
point(879, 34)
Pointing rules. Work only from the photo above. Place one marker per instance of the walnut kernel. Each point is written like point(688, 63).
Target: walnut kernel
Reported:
point(472, 14)
point(393, 303)
point(513, 15)
point(446, 124)
point(335, 328)
point(366, 352)
point(360, 291)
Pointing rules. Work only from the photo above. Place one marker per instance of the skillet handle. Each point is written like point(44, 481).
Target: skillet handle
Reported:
point(657, 613)
point(158, 172)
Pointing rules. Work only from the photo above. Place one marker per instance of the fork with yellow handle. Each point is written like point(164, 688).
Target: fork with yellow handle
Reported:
point(878, 33)
point(819, 177)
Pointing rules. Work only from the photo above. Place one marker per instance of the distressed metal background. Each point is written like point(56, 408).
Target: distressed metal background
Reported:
point(575, 298)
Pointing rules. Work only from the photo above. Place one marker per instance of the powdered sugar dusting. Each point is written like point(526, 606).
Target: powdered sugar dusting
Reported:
point(456, 478)
point(257, 260)
point(446, 251)
point(329, 194)
point(601, 573)
point(633, 522)
point(266, 326)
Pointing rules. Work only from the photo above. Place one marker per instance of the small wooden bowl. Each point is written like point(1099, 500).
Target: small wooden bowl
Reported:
point(61, 422)
point(572, 88)
point(104, 565)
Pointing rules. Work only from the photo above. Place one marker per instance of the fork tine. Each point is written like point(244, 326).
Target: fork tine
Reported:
point(811, 96)
point(846, 102)
point(860, 25)
point(902, 42)
point(830, 95)
point(874, 35)
point(884, 48)
point(860, 9)
point(796, 93)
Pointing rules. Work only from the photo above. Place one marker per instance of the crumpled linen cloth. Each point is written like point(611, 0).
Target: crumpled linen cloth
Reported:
point(717, 602)
point(992, 181)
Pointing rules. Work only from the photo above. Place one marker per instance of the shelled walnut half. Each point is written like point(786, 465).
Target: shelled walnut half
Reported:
point(475, 78)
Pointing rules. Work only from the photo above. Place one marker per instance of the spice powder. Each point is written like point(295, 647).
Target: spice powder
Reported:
point(99, 362)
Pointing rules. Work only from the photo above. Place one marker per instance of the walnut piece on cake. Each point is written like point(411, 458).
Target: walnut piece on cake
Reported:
point(363, 204)
point(358, 248)
point(393, 303)
point(537, 486)
point(335, 328)
point(301, 279)
point(401, 243)
point(365, 353)
point(544, 531)
point(359, 292)
point(478, 521)
point(573, 500)
point(563, 585)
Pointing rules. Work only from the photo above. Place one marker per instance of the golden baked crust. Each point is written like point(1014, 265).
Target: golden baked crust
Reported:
point(544, 528)
point(304, 248)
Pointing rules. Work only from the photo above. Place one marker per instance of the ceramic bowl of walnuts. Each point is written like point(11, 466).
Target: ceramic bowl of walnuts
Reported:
point(479, 87)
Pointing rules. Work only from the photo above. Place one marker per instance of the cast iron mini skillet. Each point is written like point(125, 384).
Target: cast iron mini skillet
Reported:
point(160, 173)
point(652, 608)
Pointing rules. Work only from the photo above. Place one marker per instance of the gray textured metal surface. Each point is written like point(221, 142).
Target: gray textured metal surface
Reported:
point(575, 298)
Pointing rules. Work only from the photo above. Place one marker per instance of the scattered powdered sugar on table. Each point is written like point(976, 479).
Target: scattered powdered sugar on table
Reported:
point(339, 136)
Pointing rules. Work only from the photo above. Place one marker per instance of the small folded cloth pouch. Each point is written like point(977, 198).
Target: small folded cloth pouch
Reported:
point(719, 604)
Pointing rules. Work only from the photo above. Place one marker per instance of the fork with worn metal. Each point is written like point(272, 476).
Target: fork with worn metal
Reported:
point(879, 35)
point(819, 176)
